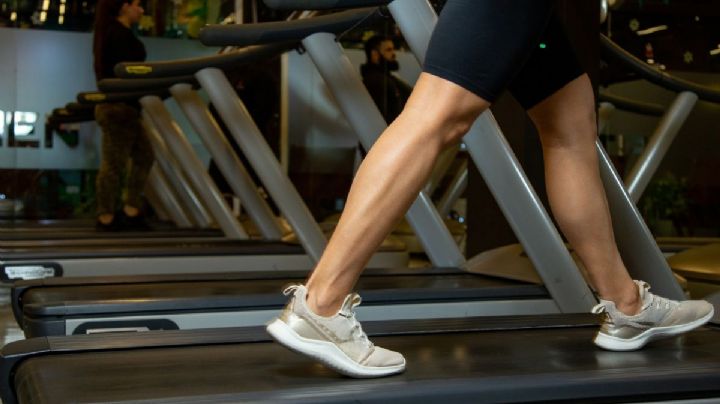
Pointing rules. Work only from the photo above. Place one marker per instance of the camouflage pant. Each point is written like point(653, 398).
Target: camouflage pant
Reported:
point(124, 146)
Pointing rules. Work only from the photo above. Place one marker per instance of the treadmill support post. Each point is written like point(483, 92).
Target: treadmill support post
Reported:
point(192, 167)
point(169, 166)
point(263, 160)
point(637, 246)
point(162, 190)
point(230, 165)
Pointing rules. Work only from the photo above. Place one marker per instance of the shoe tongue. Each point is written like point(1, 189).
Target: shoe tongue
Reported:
point(645, 296)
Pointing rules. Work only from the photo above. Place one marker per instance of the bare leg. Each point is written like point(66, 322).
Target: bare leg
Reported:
point(566, 122)
point(437, 114)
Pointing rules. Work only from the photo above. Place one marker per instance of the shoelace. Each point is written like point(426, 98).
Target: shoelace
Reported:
point(599, 308)
point(290, 290)
point(356, 330)
point(660, 302)
point(656, 301)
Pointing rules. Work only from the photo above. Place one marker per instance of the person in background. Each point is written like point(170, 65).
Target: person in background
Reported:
point(124, 143)
point(388, 91)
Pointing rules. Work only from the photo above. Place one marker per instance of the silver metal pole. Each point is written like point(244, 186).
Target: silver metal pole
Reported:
point(647, 164)
point(198, 213)
point(442, 165)
point(527, 216)
point(263, 160)
point(416, 20)
point(193, 167)
point(368, 123)
point(160, 188)
point(637, 246)
point(456, 188)
point(155, 202)
point(228, 162)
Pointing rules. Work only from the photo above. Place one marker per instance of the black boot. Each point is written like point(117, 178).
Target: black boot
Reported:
point(134, 223)
point(114, 225)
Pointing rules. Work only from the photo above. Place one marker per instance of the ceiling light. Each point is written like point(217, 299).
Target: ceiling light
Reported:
point(652, 30)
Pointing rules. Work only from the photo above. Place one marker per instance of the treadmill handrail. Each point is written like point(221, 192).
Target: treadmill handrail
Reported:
point(661, 78)
point(322, 4)
point(99, 97)
point(182, 67)
point(630, 105)
point(143, 84)
point(279, 31)
point(77, 107)
point(62, 119)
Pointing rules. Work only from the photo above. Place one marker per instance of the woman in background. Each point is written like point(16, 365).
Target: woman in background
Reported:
point(124, 142)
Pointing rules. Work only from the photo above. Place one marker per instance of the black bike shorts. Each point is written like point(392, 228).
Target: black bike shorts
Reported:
point(486, 46)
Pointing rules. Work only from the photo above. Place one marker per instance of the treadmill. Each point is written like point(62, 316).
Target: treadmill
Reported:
point(57, 307)
point(19, 234)
point(136, 307)
point(23, 232)
point(499, 359)
point(546, 358)
point(65, 306)
point(179, 257)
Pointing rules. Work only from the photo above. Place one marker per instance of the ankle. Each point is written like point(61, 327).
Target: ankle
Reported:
point(628, 302)
point(321, 304)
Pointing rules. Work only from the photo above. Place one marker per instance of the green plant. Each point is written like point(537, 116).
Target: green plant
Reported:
point(666, 199)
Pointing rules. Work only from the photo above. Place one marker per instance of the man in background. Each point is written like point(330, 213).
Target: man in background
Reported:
point(388, 91)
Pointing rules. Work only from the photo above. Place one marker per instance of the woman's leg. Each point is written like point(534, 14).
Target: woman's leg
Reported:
point(437, 114)
point(115, 150)
point(568, 130)
point(142, 159)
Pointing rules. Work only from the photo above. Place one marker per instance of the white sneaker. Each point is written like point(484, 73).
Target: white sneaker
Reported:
point(337, 342)
point(659, 318)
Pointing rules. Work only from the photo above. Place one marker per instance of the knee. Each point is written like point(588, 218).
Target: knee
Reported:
point(442, 130)
point(577, 130)
point(457, 127)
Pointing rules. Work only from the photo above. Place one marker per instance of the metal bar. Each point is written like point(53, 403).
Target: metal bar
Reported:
point(647, 164)
point(228, 162)
point(198, 213)
point(263, 160)
point(527, 216)
point(637, 246)
point(442, 165)
point(456, 188)
point(192, 167)
point(159, 186)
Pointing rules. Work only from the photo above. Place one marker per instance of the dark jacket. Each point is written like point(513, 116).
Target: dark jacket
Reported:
point(389, 92)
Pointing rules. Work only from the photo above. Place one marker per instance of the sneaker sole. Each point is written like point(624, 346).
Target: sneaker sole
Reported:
point(619, 344)
point(326, 353)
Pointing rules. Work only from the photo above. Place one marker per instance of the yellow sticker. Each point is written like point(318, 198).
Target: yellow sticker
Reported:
point(138, 69)
point(95, 96)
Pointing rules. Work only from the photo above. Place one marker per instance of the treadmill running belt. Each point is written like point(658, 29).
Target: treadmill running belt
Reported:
point(525, 364)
